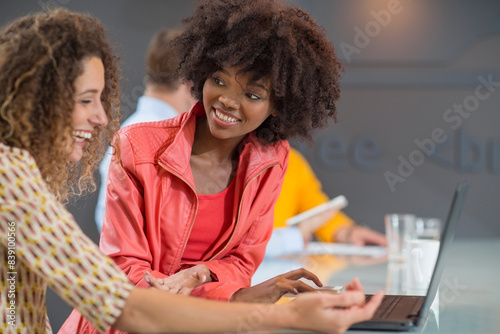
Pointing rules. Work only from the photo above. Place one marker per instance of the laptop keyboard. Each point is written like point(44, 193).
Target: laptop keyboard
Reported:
point(387, 305)
point(407, 306)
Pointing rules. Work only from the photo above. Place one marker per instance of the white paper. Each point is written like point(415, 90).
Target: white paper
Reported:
point(343, 249)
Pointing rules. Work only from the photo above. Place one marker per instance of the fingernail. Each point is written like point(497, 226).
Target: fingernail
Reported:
point(147, 279)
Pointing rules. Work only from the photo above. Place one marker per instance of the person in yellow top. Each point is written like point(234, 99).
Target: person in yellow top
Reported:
point(302, 191)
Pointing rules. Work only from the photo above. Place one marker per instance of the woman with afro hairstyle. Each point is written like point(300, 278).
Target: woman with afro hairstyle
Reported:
point(189, 205)
point(58, 105)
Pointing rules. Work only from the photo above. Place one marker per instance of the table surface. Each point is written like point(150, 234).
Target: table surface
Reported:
point(468, 300)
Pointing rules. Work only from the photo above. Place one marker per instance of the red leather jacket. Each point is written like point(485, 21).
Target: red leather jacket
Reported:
point(151, 205)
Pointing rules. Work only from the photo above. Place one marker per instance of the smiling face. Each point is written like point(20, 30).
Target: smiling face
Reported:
point(88, 112)
point(234, 104)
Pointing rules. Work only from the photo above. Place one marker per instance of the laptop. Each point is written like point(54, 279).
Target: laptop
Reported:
point(403, 312)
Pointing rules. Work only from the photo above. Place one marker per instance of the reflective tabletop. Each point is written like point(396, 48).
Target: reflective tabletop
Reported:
point(468, 299)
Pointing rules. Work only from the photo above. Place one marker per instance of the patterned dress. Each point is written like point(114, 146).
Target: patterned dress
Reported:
point(40, 245)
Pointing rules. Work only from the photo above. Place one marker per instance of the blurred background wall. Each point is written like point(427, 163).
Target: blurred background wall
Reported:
point(419, 109)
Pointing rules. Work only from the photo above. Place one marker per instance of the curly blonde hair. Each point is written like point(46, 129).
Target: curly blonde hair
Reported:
point(41, 55)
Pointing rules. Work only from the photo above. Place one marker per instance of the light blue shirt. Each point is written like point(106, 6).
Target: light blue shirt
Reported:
point(148, 109)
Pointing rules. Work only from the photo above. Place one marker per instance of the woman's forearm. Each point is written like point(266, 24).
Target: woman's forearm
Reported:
point(152, 310)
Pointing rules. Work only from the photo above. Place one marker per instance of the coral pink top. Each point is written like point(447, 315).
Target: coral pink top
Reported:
point(214, 217)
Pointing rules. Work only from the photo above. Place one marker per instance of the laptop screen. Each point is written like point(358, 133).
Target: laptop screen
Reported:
point(447, 237)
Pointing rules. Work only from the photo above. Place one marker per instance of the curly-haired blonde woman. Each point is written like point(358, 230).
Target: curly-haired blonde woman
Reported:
point(58, 110)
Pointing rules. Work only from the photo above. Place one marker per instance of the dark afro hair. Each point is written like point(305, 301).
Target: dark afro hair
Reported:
point(266, 38)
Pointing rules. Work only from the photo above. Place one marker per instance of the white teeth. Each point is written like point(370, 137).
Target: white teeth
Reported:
point(81, 135)
point(225, 118)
